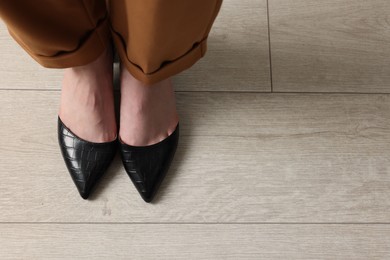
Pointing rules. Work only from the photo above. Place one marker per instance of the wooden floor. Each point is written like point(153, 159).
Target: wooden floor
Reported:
point(284, 150)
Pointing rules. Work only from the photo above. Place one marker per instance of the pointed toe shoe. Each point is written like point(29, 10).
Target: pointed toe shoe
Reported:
point(86, 161)
point(147, 166)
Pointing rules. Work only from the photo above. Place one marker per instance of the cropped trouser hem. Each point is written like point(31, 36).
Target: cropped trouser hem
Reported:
point(89, 50)
point(155, 39)
point(168, 69)
point(96, 43)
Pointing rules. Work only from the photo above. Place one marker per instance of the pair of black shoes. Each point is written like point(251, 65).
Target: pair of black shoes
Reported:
point(87, 161)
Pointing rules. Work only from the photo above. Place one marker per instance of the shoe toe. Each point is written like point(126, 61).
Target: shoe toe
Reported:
point(86, 161)
point(84, 179)
point(84, 194)
point(147, 166)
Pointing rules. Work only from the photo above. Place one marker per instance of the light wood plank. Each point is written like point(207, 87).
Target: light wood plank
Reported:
point(237, 57)
point(330, 45)
point(108, 241)
point(19, 71)
point(236, 60)
point(241, 158)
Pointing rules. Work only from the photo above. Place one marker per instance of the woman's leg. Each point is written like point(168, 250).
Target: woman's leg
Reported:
point(72, 34)
point(147, 112)
point(156, 39)
point(87, 100)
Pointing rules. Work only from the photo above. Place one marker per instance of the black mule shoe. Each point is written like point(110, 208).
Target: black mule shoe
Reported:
point(86, 161)
point(148, 165)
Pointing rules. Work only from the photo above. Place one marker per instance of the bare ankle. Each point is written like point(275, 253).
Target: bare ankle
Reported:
point(148, 112)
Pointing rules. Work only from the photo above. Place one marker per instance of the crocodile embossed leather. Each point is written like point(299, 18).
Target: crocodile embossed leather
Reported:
point(147, 166)
point(86, 161)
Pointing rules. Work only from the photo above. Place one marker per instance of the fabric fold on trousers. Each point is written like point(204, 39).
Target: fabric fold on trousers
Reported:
point(155, 39)
point(58, 34)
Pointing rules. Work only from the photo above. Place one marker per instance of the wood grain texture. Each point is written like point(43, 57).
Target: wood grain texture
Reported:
point(242, 157)
point(237, 58)
point(255, 176)
point(126, 241)
point(19, 71)
point(330, 45)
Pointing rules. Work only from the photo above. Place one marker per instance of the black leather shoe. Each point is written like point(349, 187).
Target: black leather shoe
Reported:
point(148, 165)
point(86, 161)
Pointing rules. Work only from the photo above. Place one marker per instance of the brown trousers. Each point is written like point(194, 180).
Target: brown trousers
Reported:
point(155, 39)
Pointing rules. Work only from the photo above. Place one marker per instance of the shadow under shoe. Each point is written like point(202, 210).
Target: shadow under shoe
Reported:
point(147, 166)
point(86, 161)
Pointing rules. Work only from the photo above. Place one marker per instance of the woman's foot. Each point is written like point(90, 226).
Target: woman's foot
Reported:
point(147, 112)
point(87, 100)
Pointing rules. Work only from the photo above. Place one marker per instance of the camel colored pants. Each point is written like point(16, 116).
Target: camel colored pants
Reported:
point(155, 39)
